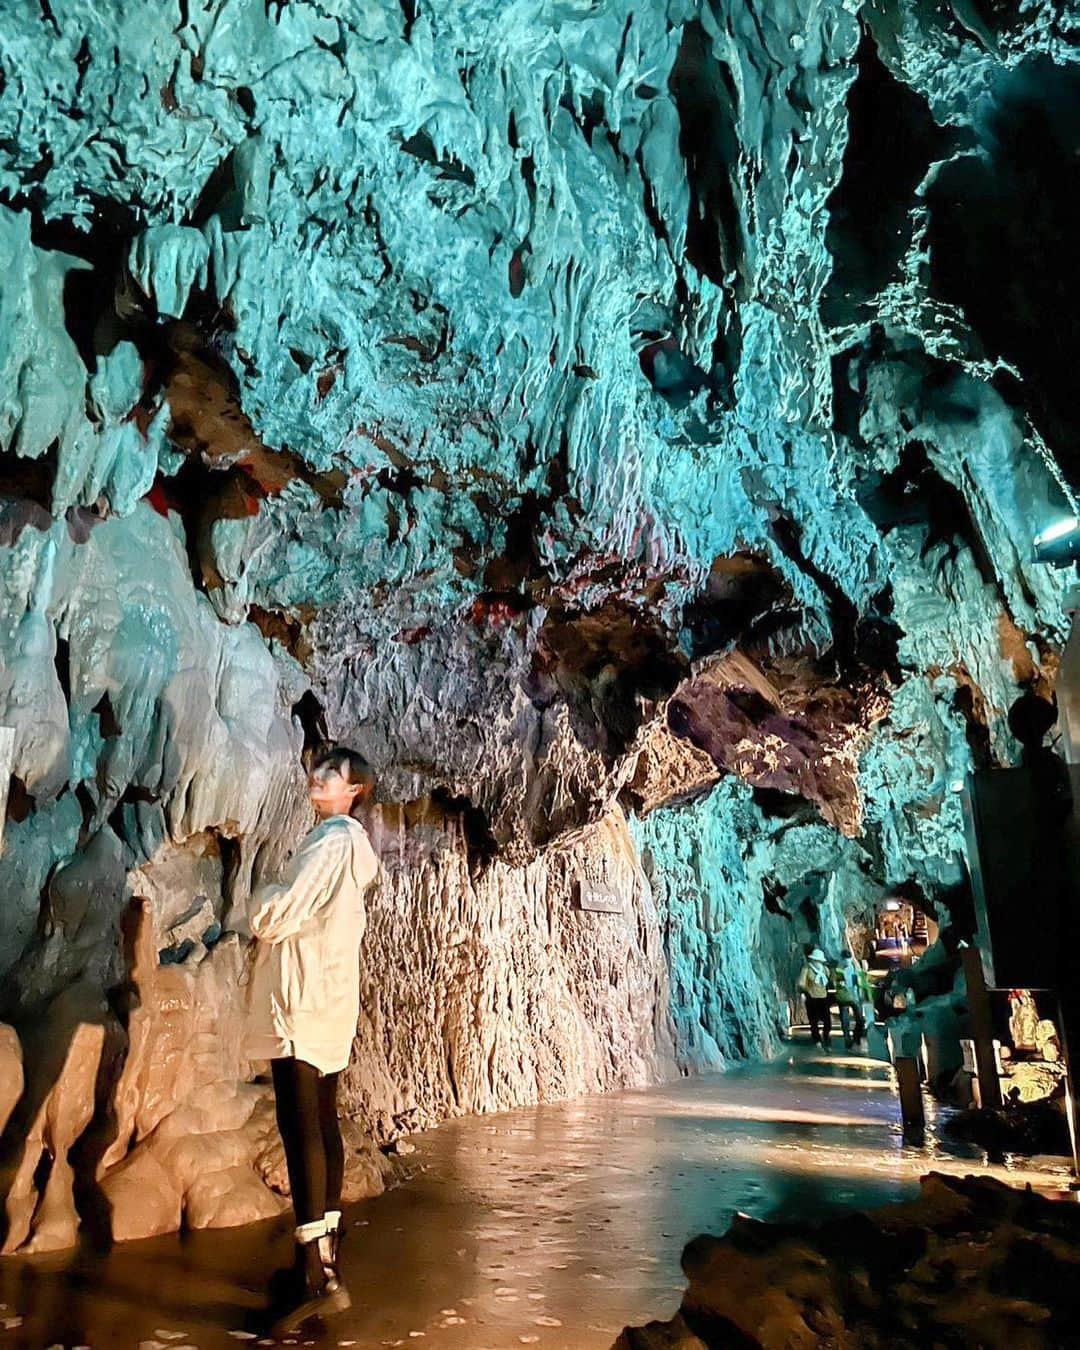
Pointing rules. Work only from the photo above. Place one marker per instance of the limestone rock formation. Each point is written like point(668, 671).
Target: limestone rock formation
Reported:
point(167, 1129)
point(367, 1171)
point(626, 425)
point(143, 1199)
point(11, 1074)
point(63, 1061)
point(520, 995)
point(970, 1262)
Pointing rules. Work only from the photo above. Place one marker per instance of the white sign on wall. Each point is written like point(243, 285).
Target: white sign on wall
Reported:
point(7, 756)
point(597, 898)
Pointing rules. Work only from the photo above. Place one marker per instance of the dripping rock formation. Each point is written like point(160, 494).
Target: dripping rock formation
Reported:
point(626, 425)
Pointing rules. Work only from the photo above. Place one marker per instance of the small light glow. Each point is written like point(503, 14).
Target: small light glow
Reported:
point(892, 905)
point(861, 1084)
point(1058, 531)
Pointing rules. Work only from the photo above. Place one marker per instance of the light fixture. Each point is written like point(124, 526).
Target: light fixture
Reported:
point(892, 905)
point(1059, 545)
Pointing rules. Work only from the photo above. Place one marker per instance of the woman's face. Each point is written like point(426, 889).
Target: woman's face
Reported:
point(331, 793)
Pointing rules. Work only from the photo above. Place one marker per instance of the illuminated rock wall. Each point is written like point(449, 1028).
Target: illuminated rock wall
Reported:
point(590, 413)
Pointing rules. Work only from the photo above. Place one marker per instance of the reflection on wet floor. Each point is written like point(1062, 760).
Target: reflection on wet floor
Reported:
point(551, 1226)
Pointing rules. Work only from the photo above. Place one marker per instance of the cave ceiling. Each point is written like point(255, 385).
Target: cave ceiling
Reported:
point(561, 402)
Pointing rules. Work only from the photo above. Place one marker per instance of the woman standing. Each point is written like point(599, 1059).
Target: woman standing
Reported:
point(304, 1004)
point(813, 984)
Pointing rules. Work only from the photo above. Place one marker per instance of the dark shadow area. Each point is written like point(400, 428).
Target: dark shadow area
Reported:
point(422, 147)
point(707, 101)
point(201, 495)
point(863, 644)
point(892, 140)
point(518, 569)
point(772, 897)
point(26, 493)
point(222, 193)
point(119, 812)
point(779, 805)
point(1001, 236)
point(312, 716)
point(288, 628)
point(20, 802)
point(745, 601)
point(915, 493)
point(672, 373)
point(589, 112)
point(605, 664)
point(481, 846)
point(90, 291)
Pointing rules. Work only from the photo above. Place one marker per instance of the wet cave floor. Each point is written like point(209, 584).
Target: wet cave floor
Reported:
point(552, 1226)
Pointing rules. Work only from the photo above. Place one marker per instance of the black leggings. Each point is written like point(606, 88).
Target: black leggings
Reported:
point(306, 1104)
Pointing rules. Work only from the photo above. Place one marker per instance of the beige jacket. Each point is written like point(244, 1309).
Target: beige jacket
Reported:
point(304, 995)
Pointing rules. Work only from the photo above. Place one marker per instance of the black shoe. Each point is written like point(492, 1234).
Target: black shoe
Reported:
point(321, 1303)
point(311, 1292)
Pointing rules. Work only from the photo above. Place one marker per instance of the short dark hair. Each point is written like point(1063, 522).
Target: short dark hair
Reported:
point(1031, 717)
point(348, 763)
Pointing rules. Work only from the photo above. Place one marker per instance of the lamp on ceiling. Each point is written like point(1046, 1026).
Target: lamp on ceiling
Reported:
point(1059, 545)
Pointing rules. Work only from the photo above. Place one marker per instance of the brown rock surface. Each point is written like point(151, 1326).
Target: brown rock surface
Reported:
point(669, 769)
point(127, 1095)
point(166, 1133)
point(512, 994)
point(63, 1057)
point(1033, 1080)
point(11, 1073)
point(231, 1196)
point(786, 729)
point(971, 1262)
point(143, 1199)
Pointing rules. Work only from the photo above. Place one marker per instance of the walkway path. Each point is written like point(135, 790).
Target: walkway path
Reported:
point(551, 1226)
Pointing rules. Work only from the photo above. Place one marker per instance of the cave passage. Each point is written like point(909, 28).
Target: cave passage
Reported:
point(518, 525)
point(552, 1225)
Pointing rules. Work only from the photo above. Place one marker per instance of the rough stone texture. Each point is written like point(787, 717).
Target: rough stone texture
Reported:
point(1033, 1082)
point(517, 994)
point(11, 1074)
point(142, 1197)
point(63, 1061)
point(971, 1262)
point(170, 1131)
point(742, 892)
point(582, 410)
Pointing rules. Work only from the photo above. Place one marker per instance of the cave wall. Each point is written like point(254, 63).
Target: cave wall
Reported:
point(482, 991)
point(626, 425)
